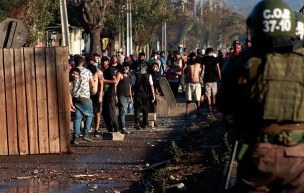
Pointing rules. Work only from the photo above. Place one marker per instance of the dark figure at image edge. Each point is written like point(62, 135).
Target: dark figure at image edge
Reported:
point(262, 88)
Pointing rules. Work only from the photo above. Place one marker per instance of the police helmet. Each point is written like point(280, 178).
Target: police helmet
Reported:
point(300, 25)
point(271, 18)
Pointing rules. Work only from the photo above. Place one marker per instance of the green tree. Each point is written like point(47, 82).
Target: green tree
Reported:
point(94, 14)
point(35, 15)
point(147, 17)
point(221, 26)
point(114, 24)
point(8, 6)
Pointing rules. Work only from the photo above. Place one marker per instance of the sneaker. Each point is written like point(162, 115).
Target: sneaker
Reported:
point(137, 126)
point(96, 134)
point(124, 131)
point(86, 137)
point(75, 141)
point(214, 111)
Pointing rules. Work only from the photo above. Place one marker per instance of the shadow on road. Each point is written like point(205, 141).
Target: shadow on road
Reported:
point(196, 136)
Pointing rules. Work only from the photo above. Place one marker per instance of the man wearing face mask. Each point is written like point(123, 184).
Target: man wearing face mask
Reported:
point(212, 73)
point(124, 94)
point(96, 92)
point(155, 58)
point(236, 50)
point(74, 74)
point(182, 65)
point(181, 50)
point(108, 104)
point(193, 86)
point(155, 77)
point(143, 89)
point(97, 60)
point(82, 101)
point(162, 68)
point(173, 71)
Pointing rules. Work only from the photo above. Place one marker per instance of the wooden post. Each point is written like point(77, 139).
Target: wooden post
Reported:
point(3, 128)
point(52, 100)
point(41, 101)
point(63, 97)
point(21, 102)
point(11, 105)
point(30, 87)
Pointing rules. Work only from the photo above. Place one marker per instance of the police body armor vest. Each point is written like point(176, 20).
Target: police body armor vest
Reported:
point(276, 87)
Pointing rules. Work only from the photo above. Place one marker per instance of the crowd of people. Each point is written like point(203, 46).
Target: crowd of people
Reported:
point(100, 84)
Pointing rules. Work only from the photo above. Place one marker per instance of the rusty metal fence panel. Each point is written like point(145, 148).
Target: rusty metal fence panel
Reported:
point(34, 101)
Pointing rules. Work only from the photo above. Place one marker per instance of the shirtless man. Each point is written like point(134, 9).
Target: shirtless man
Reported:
point(182, 65)
point(193, 86)
point(173, 71)
point(96, 92)
point(212, 73)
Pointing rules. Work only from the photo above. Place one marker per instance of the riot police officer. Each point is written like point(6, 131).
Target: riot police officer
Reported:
point(267, 82)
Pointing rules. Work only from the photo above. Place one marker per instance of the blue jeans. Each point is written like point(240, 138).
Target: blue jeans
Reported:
point(83, 108)
point(123, 102)
point(130, 106)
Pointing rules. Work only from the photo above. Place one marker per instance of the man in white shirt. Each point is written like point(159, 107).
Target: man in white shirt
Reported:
point(82, 101)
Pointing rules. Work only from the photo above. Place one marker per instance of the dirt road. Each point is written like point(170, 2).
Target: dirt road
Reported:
point(112, 166)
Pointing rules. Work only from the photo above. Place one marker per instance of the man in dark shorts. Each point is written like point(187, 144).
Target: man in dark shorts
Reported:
point(96, 92)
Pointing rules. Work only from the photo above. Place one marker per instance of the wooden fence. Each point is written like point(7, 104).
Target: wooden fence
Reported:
point(34, 101)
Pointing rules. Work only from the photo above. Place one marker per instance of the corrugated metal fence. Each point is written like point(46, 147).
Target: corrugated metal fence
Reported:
point(34, 101)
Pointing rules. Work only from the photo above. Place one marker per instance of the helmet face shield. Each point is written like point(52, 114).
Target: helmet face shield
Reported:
point(271, 18)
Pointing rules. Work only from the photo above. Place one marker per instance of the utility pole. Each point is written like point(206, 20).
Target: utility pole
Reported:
point(211, 5)
point(64, 24)
point(164, 36)
point(120, 32)
point(202, 16)
point(194, 10)
point(129, 28)
point(201, 10)
point(184, 42)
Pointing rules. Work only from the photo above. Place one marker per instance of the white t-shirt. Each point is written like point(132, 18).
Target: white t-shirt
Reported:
point(81, 86)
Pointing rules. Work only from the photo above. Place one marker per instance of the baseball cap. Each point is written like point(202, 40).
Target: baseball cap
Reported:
point(127, 58)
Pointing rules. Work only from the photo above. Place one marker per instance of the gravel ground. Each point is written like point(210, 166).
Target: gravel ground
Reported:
point(113, 166)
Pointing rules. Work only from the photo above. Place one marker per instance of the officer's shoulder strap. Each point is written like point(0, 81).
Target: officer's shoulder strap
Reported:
point(299, 51)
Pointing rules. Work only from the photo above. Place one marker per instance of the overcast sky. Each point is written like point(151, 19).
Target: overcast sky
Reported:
point(236, 4)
